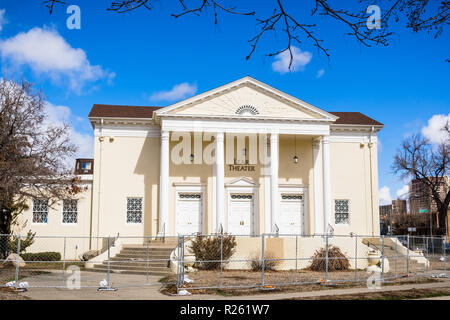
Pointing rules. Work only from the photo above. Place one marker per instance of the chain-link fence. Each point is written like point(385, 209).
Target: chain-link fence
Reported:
point(216, 261)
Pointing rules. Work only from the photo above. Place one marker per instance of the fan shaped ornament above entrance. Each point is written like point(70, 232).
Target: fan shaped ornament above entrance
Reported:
point(247, 110)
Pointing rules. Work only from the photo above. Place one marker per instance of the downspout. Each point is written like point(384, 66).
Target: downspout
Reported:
point(371, 179)
point(101, 138)
point(91, 212)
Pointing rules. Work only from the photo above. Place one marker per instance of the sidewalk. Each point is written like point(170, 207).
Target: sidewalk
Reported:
point(152, 292)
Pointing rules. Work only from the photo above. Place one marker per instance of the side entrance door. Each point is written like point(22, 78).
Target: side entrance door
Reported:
point(241, 213)
point(189, 213)
point(291, 213)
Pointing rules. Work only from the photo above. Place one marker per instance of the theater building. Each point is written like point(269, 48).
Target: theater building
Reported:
point(243, 158)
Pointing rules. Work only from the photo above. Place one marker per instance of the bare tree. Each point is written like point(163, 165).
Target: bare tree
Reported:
point(420, 15)
point(419, 159)
point(34, 153)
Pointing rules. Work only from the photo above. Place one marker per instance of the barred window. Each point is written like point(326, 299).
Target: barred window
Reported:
point(40, 210)
point(70, 211)
point(134, 210)
point(341, 209)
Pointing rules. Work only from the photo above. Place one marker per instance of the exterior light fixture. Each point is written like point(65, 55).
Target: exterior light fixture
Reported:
point(295, 150)
point(244, 152)
point(191, 157)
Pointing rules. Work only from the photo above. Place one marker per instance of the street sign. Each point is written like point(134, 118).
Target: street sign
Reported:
point(423, 210)
point(412, 229)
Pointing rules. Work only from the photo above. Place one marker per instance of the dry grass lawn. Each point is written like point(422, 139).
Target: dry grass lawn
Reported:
point(244, 282)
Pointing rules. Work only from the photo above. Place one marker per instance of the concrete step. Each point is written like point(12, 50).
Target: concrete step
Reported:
point(132, 259)
point(152, 245)
point(138, 264)
point(145, 250)
point(136, 272)
point(135, 268)
point(143, 254)
point(123, 257)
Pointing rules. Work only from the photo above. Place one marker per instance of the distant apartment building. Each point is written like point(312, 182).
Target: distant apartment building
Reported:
point(399, 207)
point(421, 200)
point(389, 213)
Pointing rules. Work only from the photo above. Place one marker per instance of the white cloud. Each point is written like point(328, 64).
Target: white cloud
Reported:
point(57, 116)
point(299, 60)
point(433, 131)
point(403, 192)
point(178, 92)
point(384, 195)
point(46, 52)
point(320, 73)
point(3, 19)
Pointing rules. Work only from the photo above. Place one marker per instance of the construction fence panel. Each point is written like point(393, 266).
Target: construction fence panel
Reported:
point(217, 261)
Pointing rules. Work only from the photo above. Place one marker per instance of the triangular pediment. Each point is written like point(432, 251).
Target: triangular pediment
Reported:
point(241, 182)
point(247, 98)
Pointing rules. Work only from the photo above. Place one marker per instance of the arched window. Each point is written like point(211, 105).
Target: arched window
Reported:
point(247, 110)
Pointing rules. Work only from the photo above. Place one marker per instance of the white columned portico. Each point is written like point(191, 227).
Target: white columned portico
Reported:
point(274, 196)
point(164, 184)
point(318, 189)
point(220, 174)
point(326, 182)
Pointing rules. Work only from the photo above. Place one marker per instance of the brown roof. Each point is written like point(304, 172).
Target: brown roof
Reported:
point(354, 118)
point(115, 111)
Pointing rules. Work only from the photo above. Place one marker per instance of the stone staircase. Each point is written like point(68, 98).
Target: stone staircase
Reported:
point(132, 259)
point(398, 262)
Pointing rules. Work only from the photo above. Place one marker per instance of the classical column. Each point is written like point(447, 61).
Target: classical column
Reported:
point(164, 185)
point(274, 196)
point(318, 197)
point(220, 173)
point(326, 182)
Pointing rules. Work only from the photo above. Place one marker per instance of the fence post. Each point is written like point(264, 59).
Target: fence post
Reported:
point(108, 274)
point(382, 258)
point(296, 259)
point(263, 249)
point(445, 258)
point(326, 258)
point(221, 261)
point(180, 268)
point(64, 263)
point(16, 277)
point(396, 257)
point(356, 258)
point(147, 258)
point(407, 255)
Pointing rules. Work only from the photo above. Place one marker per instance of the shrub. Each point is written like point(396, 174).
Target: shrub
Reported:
point(25, 242)
point(336, 260)
point(41, 256)
point(208, 248)
point(256, 264)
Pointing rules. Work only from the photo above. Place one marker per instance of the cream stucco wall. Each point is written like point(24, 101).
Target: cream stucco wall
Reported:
point(352, 179)
point(125, 167)
point(55, 235)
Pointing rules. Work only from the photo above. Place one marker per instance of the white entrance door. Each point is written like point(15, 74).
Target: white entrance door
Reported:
point(291, 214)
point(189, 213)
point(240, 214)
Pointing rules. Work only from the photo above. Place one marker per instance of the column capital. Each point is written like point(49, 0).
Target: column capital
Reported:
point(316, 143)
point(326, 139)
point(219, 136)
point(164, 135)
point(274, 137)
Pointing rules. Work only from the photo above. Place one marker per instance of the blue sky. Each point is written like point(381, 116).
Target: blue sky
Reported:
point(137, 58)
